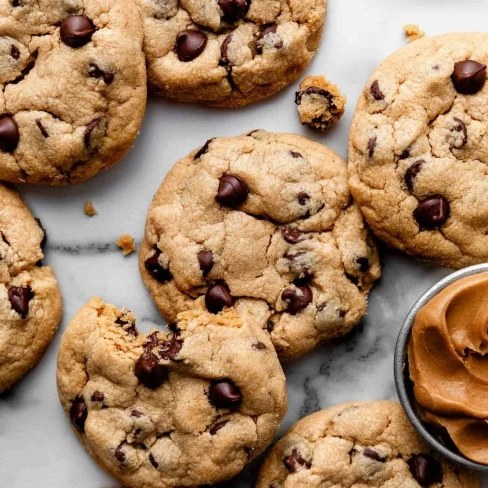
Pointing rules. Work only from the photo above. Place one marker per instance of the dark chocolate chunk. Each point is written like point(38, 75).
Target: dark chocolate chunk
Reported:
point(149, 372)
point(292, 236)
point(76, 30)
point(190, 44)
point(78, 414)
point(218, 297)
point(412, 171)
point(224, 394)
point(233, 10)
point(232, 191)
point(425, 469)
point(215, 428)
point(372, 146)
point(432, 212)
point(19, 298)
point(376, 91)
point(206, 262)
point(295, 461)
point(170, 349)
point(9, 134)
point(468, 77)
point(155, 269)
point(298, 298)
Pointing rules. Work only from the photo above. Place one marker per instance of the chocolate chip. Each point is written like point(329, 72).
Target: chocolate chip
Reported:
point(218, 297)
point(19, 298)
point(292, 236)
point(425, 469)
point(405, 154)
point(432, 212)
point(42, 129)
point(468, 77)
point(89, 130)
point(267, 29)
point(223, 49)
point(303, 198)
point(14, 52)
point(296, 155)
point(295, 461)
point(170, 349)
point(259, 346)
point(97, 397)
point(153, 461)
point(190, 44)
point(120, 454)
point(298, 298)
point(78, 414)
point(412, 171)
point(95, 72)
point(153, 267)
point(376, 91)
point(206, 261)
point(9, 134)
point(224, 394)
point(128, 326)
point(136, 413)
point(204, 149)
point(152, 342)
point(372, 454)
point(149, 372)
point(217, 427)
point(314, 90)
point(363, 264)
point(372, 146)
point(44, 233)
point(233, 10)
point(76, 30)
point(232, 191)
point(461, 127)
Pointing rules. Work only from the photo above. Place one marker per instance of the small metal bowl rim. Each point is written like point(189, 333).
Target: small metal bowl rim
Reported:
point(399, 363)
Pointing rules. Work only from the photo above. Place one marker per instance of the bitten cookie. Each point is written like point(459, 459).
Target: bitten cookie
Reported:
point(186, 408)
point(264, 222)
point(355, 445)
point(419, 150)
point(228, 53)
point(320, 103)
point(30, 300)
point(73, 87)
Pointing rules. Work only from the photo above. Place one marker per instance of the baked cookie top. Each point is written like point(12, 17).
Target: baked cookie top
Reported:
point(419, 150)
point(355, 445)
point(73, 87)
point(30, 300)
point(228, 52)
point(264, 222)
point(185, 408)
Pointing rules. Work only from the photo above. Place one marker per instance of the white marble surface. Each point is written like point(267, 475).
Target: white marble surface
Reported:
point(36, 445)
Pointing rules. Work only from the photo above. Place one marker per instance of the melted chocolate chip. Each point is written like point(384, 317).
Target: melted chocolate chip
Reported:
point(89, 130)
point(97, 397)
point(412, 171)
point(292, 236)
point(267, 29)
point(128, 326)
point(405, 154)
point(372, 454)
point(461, 127)
point(14, 52)
point(44, 233)
point(376, 91)
point(9, 134)
point(303, 198)
point(136, 413)
point(425, 469)
point(232, 191)
point(372, 146)
point(295, 461)
point(296, 155)
point(224, 394)
point(215, 428)
point(190, 44)
point(170, 349)
point(76, 30)
point(233, 10)
point(95, 72)
point(298, 298)
point(223, 49)
point(218, 297)
point(120, 454)
point(468, 77)
point(42, 128)
point(78, 414)
point(204, 149)
point(432, 212)
point(259, 346)
point(149, 372)
point(153, 267)
point(363, 264)
point(153, 461)
point(206, 262)
point(19, 298)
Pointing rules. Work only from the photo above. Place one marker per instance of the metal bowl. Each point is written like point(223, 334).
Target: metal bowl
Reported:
point(402, 379)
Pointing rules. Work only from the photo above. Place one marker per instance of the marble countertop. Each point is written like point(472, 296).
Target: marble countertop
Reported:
point(36, 445)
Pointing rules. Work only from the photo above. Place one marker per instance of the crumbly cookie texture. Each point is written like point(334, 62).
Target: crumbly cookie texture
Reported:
point(419, 150)
point(356, 445)
point(73, 87)
point(186, 408)
point(228, 53)
point(90, 209)
point(264, 222)
point(413, 32)
point(320, 103)
point(126, 243)
point(30, 300)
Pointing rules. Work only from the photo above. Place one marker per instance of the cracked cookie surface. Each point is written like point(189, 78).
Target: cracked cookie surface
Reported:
point(263, 222)
point(228, 52)
point(356, 445)
point(30, 300)
point(185, 408)
point(419, 150)
point(73, 87)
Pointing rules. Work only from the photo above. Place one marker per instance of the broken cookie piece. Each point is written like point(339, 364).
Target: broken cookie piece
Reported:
point(320, 103)
point(126, 243)
point(413, 32)
point(90, 209)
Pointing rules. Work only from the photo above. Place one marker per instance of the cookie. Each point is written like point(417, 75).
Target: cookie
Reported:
point(355, 445)
point(264, 222)
point(320, 103)
point(184, 408)
point(228, 53)
point(30, 300)
point(73, 88)
point(419, 150)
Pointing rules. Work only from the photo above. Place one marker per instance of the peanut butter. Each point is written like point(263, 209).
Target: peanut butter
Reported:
point(448, 363)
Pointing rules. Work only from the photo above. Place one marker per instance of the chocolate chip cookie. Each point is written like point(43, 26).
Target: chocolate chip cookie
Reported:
point(356, 445)
point(188, 407)
point(263, 222)
point(73, 87)
point(228, 53)
point(30, 300)
point(418, 150)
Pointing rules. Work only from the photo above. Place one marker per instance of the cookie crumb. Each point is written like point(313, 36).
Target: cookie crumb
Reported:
point(90, 209)
point(126, 243)
point(413, 32)
point(320, 103)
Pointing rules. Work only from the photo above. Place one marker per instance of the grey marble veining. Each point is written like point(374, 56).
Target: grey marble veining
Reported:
point(37, 447)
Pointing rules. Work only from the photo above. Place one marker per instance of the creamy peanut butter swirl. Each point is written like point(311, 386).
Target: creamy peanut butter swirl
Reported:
point(449, 364)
